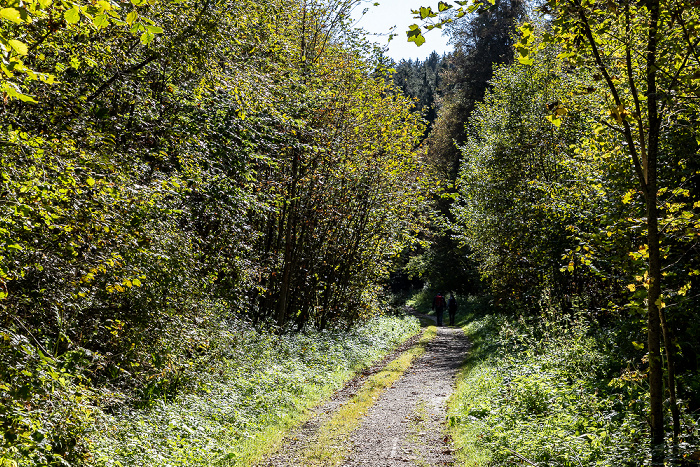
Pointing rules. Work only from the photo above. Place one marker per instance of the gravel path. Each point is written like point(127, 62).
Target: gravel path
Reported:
point(294, 444)
point(406, 426)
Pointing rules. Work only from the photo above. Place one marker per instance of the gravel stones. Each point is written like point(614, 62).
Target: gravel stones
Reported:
point(406, 426)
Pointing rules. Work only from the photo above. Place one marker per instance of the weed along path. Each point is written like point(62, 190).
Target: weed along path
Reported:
point(392, 415)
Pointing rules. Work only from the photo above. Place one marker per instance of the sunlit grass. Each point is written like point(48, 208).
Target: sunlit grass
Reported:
point(246, 393)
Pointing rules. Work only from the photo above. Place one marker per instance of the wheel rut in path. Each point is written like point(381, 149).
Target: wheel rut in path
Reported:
point(405, 426)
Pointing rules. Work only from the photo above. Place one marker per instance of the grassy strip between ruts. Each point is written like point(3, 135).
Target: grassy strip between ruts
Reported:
point(330, 448)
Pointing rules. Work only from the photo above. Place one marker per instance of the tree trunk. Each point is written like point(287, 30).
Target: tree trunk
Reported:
point(653, 314)
point(654, 294)
point(669, 347)
point(289, 244)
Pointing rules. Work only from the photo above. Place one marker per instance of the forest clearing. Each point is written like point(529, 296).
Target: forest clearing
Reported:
point(228, 230)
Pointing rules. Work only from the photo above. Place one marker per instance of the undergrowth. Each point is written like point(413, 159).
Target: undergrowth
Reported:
point(549, 391)
point(242, 394)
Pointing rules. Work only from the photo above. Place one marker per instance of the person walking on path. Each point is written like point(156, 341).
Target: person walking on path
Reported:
point(452, 308)
point(439, 307)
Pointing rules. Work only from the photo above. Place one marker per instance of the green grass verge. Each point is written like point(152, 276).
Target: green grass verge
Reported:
point(546, 391)
point(243, 395)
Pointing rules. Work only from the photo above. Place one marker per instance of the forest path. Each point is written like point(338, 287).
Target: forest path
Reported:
point(404, 427)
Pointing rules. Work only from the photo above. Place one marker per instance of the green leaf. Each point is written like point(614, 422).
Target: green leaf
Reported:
point(147, 37)
point(426, 12)
point(555, 121)
point(101, 21)
point(131, 17)
point(73, 15)
point(154, 29)
point(526, 29)
point(442, 6)
point(414, 35)
point(25, 98)
point(11, 14)
point(19, 47)
point(524, 60)
point(90, 181)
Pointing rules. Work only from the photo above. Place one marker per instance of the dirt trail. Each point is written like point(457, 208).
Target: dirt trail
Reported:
point(406, 425)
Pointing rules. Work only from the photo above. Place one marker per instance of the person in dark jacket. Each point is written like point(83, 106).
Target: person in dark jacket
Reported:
point(439, 307)
point(452, 308)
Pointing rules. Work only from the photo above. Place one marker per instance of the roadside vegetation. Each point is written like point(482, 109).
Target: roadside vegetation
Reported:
point(203, 205)
point(239, 390)
point(186, 188)
point(553, 390)
point(243, 395)
point(576, 194)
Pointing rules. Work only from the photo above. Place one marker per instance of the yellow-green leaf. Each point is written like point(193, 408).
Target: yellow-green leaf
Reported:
point(101, 21)
point(11, 14)
point(73, 15)
point(18, 46)
point(524, 60)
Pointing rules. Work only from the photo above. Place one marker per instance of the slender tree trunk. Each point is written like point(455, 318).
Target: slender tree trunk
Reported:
point(670, 348)
point(654, 292)
point(289, 244)
point(653, 316)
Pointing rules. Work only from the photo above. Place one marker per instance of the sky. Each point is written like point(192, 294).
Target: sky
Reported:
point(379, 20)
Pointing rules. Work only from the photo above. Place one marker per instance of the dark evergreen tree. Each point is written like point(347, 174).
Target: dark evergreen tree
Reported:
point(421, 80)
point(481, 40)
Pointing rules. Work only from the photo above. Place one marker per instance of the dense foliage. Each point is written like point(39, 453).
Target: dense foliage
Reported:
point(248, 384)
point(169, 165)
point(422, 81)
point(577, 188)
point(548, 391)
point(481, 42)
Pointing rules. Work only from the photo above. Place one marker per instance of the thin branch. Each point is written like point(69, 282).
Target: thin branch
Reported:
point(633, 88)
point(613, 89)
point(521, 457)
point(116, 75)
point(177, 40)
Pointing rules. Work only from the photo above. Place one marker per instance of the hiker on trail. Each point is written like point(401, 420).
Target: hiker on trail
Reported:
point(452, 308)
point(439, 307)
